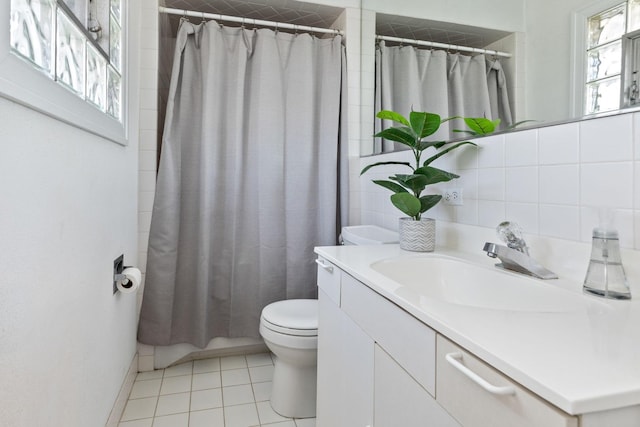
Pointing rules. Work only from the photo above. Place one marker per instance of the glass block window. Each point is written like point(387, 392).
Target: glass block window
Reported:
point(604, 59)
point(31, 29)
point(61, 42)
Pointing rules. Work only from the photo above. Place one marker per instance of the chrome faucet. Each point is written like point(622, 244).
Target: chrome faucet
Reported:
point(515, 256)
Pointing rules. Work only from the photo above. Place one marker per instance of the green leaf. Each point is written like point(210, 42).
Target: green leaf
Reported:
point(434, 175)
point(424, 124)
point(427, 202)
point(396, 188)
point(366, 168)
point(403, 135)
point(481, 125)
point(415, 183)
point(445, 151)
point(515, 125)
point(393, 116)
point(407, 203)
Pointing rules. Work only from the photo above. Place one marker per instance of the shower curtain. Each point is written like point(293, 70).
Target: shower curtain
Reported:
point(247, 183)
point(449, 84)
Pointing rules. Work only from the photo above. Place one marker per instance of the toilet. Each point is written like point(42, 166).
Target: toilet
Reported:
point(290, 330)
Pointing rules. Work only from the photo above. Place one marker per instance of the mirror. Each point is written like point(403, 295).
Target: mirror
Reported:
point(548, 40)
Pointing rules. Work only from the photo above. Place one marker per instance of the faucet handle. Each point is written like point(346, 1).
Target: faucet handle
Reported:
point(511, 233)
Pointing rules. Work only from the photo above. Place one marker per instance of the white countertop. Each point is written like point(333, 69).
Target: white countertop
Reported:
point(584, 360)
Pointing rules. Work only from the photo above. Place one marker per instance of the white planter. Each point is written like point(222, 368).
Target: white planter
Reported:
point(417, 236)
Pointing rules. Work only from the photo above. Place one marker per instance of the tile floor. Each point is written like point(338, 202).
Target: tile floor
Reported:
point(220, 392)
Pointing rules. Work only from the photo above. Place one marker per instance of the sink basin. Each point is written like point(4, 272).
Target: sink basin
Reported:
point(454, 281)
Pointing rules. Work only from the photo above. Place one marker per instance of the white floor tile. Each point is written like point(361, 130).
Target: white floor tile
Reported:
point(150, 375)
point(305, 422)
point(171, 385)
point(173, 404)
point(260, 374)
point(206, 365)
point(206, 399)
point(262, 391)
point(217, 392)
point(176, 420)
point(235, 377)
point(205, 381)
point(207, 418)
point(137, 423)
point(147, 388)
point(233, 362)
point(181, 369)
point(259, 359)
point(241, 415)
point(237, 394)
point(139, 408)
point(267, 415)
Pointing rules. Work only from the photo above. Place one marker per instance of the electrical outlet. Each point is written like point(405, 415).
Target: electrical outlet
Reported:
point(453, 196)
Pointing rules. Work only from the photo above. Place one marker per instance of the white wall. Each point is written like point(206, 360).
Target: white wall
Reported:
point(550, 75)
point(68, 202)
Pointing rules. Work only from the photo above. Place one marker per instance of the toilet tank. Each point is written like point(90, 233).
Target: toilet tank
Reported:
point(367, 235)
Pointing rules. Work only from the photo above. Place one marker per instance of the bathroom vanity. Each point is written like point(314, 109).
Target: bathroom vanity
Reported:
point(446, 339)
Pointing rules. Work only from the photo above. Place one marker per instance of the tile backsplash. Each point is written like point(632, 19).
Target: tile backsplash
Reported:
point(552, 180)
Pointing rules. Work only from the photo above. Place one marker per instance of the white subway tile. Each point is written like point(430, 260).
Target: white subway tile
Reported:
point(607, 184)
point(491, 152)
point(606, 139)
point(148, 139)
point(521, 184)
point(560, 221)
point(636, 136)
point(559, 144)
point(149, 99)
point(466, 157)
point(145, 201)
point(490, 213)
point(525, 214)
point(147, 181)
point(468, 182)
point(491, 184)
point(468, 212)
point(144, 221)
point(560, 184)
point(521, 148)
point(147, 160)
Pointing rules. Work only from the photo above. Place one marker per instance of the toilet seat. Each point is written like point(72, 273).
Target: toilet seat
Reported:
point(297, 317)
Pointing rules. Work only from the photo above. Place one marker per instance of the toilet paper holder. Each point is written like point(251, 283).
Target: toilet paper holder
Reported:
point(118, 268)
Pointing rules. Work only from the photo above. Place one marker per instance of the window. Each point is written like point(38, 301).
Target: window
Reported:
point(65, 58)
point(606, 83)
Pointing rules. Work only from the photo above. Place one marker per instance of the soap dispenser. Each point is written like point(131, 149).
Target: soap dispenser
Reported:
point(605, 274)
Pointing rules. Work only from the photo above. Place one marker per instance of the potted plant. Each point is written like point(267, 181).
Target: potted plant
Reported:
point(416, 232)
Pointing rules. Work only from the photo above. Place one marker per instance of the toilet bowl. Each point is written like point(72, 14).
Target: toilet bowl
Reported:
point(290, 330)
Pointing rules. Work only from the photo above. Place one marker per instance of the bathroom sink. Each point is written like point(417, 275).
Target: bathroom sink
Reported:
point(461, 283)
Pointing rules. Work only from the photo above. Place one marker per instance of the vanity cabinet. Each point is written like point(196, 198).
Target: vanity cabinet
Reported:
point(376, 363)
point(380, 366)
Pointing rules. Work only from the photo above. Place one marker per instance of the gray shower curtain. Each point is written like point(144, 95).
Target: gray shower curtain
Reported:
point(247, 183)
point(448, 84)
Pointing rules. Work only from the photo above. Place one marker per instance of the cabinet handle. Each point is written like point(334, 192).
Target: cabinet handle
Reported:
point(454, 360)
point(322, 263)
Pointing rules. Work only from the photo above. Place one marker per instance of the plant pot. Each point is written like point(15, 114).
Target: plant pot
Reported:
point(417, 236)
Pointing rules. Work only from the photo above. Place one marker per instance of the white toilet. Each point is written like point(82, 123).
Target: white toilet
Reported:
point(290, 330)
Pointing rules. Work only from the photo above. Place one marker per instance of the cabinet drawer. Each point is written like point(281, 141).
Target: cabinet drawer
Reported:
point(407, 340)
point(507, 404)
point(329, 279)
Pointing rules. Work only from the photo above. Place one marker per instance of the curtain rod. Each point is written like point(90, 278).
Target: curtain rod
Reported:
point(250, 21)
point(444, 46)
